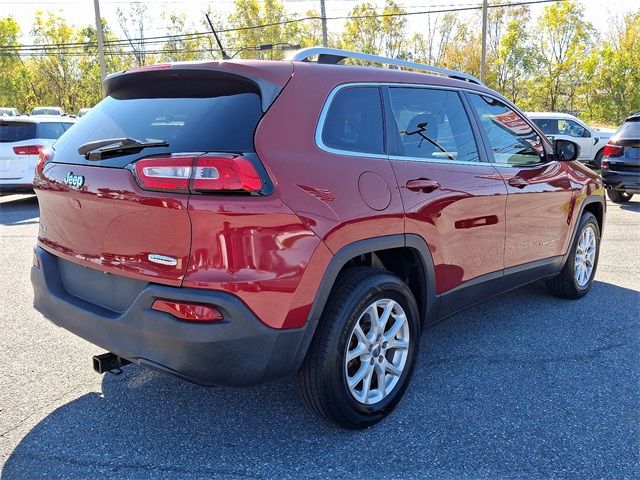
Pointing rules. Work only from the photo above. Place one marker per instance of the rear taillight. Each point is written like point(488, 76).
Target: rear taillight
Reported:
point(226, 173)
point(612, 150)
point(44, 157)
point(28, 149)
point(190, 312)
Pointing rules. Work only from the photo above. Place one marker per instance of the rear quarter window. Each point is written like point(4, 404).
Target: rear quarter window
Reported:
point(50, 130)
point(353, 122)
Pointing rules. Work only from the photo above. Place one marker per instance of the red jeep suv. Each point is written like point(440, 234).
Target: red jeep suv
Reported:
point(237, 222)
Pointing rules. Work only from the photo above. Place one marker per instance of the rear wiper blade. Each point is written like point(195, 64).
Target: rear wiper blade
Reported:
point(117, 146)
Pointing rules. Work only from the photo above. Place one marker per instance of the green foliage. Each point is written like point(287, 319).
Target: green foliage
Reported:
point(556, 63)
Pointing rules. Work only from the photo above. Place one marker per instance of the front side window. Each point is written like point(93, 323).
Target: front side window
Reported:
point(572, 129)
point(354, 121)
point(548, 126)
point(511, 139)
point(432, 124)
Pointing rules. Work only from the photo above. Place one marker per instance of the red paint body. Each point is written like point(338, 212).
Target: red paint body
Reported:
point(272, 251)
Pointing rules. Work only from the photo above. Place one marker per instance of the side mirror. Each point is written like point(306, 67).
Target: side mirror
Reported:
point(565, 150)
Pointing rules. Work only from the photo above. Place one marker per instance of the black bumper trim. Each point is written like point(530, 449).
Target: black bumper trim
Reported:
point(239, 351)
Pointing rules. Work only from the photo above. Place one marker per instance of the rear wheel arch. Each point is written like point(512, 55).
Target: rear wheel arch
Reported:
point(594, 204)
point(393, 253)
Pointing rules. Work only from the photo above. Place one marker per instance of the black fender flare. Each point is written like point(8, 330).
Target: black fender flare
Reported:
point(587, 201)
point(361, 247)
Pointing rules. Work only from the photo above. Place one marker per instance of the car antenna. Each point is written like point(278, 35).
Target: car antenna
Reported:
point(224, 54)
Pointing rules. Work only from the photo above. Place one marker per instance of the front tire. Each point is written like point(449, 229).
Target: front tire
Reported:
point(618, 196)
point(364, 350)
point(576, 277)
point(597, 161)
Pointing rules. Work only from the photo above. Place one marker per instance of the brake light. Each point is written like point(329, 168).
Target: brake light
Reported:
point(45, 156)
point(612, 150)
point(28, 149)
point(190, 312)
point(198, 174)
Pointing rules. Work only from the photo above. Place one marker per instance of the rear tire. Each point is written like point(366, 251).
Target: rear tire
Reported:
point(619, 196)
point(576, 277)
point(358, 366)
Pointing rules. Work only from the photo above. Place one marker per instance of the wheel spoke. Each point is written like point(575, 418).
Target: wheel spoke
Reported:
point(395, 328)
point(360, 349)
point(366, 384)
point(394, 343)
point(386, 314)
point(372, 311)
point(358, 376)
point(362, 338)
point(381, 375)
point(391, 368)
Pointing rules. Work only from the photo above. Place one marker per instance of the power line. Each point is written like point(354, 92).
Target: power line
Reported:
point(30, 49)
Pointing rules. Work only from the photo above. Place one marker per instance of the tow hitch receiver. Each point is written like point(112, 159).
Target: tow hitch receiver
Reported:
point(109, 362)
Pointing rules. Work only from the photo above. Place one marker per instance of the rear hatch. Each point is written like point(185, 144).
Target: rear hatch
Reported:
point(100, 209)
point(623, 150)
point(14, 161)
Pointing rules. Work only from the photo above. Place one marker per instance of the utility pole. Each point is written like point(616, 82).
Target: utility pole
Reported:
point(323, 14)
point(483, 60)
point(103, 67)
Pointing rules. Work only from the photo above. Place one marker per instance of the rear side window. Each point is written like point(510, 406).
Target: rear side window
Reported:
point(630, 130)
point(51, 130)
point(200, 118)
point(433, 124)
point(547, 125)
point(354, 121)
point(17, 131)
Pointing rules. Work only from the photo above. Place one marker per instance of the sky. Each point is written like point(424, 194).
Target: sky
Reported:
point(81, 12)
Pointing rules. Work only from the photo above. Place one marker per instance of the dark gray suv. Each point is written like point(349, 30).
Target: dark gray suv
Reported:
point(621, 162)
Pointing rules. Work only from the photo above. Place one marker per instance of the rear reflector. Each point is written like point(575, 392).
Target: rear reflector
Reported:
point(198, 174)
point(611, 150)
point(28, 149)
point(190, 312)
point(45, 156)
point(604, 165)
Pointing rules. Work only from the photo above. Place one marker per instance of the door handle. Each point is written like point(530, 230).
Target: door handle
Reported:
point(422, 185)
point(518, 182)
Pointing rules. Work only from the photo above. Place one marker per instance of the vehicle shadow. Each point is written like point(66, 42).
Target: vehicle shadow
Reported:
point(18, 209)
point(521, 386)
point(633, 206)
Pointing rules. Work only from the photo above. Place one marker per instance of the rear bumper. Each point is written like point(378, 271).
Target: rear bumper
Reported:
point(238, 351)
point(627, 181)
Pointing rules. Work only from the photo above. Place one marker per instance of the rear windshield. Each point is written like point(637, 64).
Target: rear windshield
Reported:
point(52, 130)
point(17, 131)
point(45, 111)
point(630, 130)
point(215, 121)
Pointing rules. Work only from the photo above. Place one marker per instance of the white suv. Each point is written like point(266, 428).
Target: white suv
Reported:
point(567, 127)
point(21, 140)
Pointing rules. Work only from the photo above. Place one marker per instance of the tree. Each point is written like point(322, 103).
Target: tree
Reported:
point(365, 31)
point(565, 38)
point(14, 79)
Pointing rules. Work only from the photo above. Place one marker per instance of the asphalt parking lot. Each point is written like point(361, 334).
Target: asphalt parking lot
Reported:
point(521, 386)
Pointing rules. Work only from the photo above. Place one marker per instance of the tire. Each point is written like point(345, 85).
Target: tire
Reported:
point(570, 283)
point(619, 196)
point(322, 379)
point(597, 161)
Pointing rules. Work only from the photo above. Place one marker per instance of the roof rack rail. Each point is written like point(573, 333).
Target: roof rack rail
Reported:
point(333, 56)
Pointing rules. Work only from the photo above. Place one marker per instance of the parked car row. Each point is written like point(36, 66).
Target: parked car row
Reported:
point(59, 111)
point(564, 126)
point(22, 138)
